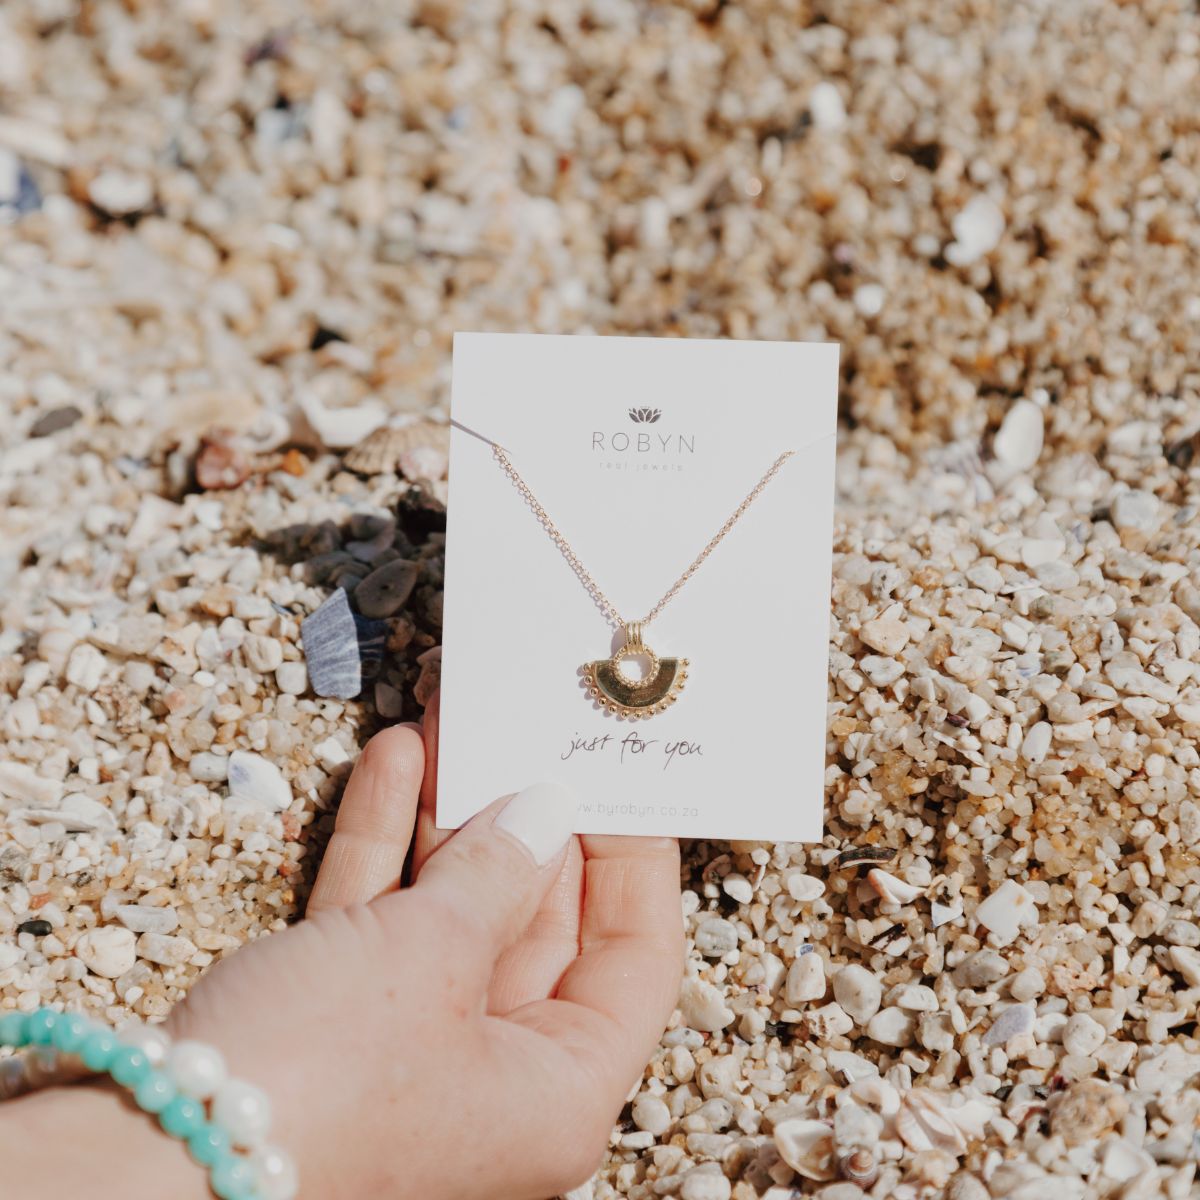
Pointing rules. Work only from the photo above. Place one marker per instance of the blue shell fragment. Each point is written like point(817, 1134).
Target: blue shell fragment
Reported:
point(330, 640)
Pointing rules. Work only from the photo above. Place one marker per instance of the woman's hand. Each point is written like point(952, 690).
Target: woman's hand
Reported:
point(473, 1035)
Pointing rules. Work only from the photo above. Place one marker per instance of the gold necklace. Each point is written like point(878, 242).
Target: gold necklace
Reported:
point(611, 687)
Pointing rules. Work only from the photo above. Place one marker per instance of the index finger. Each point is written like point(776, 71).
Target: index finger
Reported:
point(615, 999)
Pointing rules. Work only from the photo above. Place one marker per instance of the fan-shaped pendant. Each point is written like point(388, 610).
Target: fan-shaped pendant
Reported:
point(615, 691)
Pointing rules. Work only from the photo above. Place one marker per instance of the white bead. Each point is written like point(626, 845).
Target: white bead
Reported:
point(196, 1070)
point(275, 1174)
point(244, 1111)
point(152, 1041)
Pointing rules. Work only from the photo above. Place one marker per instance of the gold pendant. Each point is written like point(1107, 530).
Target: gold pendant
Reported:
point(615, 691)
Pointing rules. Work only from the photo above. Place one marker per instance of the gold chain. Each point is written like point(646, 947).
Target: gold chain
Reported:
point(582, 572)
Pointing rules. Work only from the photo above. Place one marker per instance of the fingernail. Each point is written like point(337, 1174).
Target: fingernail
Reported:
point(541, 818)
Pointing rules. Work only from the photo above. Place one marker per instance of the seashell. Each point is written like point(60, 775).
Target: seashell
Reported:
point(380, 452)
point(972, 1115)
point(1084, 1111)
point(922, 1125)
point(77, 814)
point(861, 856)
point(807, 1147)
point(891, 888)
point(269, 431)
point(859, 1166)
point(927, 1120)
point(340, 428)
point(341, 647)
point(874, 1093)
point(856, 1125)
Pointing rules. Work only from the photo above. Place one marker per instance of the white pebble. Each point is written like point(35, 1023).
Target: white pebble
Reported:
point(715, 937)
point(108, 951)
point(292, 678)
point(1135, 510)
point(703, 1006)
point(331, 753)
point(1009, 908)
point(977, 231)
point(142, 918)
point(703, 1183)
point(868, 299)
point(892, 1027)
point(1186, 961)
point(1027, 984)
point(825, 105)
point(85, 667)
point(650, 1113)
point(1036, 744)
point(165, 950)
point(738, 887)
point(805, 979)
point(207, 767)
point(257, 784)
point(1082, 1035)
point(881, 671)
point(803, 887)
point(1018, 441)
point(263, 654)
point(119, 193)
point(858, 992)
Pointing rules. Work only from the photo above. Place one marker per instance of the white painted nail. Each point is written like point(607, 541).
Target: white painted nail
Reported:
point(541, 818)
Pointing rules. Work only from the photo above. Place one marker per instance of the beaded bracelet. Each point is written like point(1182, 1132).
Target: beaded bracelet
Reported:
point(171, 1081)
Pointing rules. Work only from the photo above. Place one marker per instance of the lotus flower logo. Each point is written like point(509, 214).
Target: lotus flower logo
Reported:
point(644, 416)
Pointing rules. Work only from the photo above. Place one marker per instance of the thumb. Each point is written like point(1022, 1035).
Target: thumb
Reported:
point(492, 875)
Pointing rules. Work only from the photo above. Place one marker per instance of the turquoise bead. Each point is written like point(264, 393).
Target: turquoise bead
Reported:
point(39, 1030)
point(98, 1049)
point(232, 1178)
point(71, 1032)
point(209, 1144)
point(182, 1118)
point(154, 1093)
point(129, 1066)
point(13, 1028)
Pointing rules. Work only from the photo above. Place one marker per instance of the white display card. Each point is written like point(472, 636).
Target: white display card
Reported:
point(640, 449)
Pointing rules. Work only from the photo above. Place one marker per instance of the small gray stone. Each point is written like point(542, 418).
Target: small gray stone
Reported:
point(1013, 1021)
point(385, 590)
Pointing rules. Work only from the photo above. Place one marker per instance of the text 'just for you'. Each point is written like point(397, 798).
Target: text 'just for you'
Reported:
point(632, 746)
